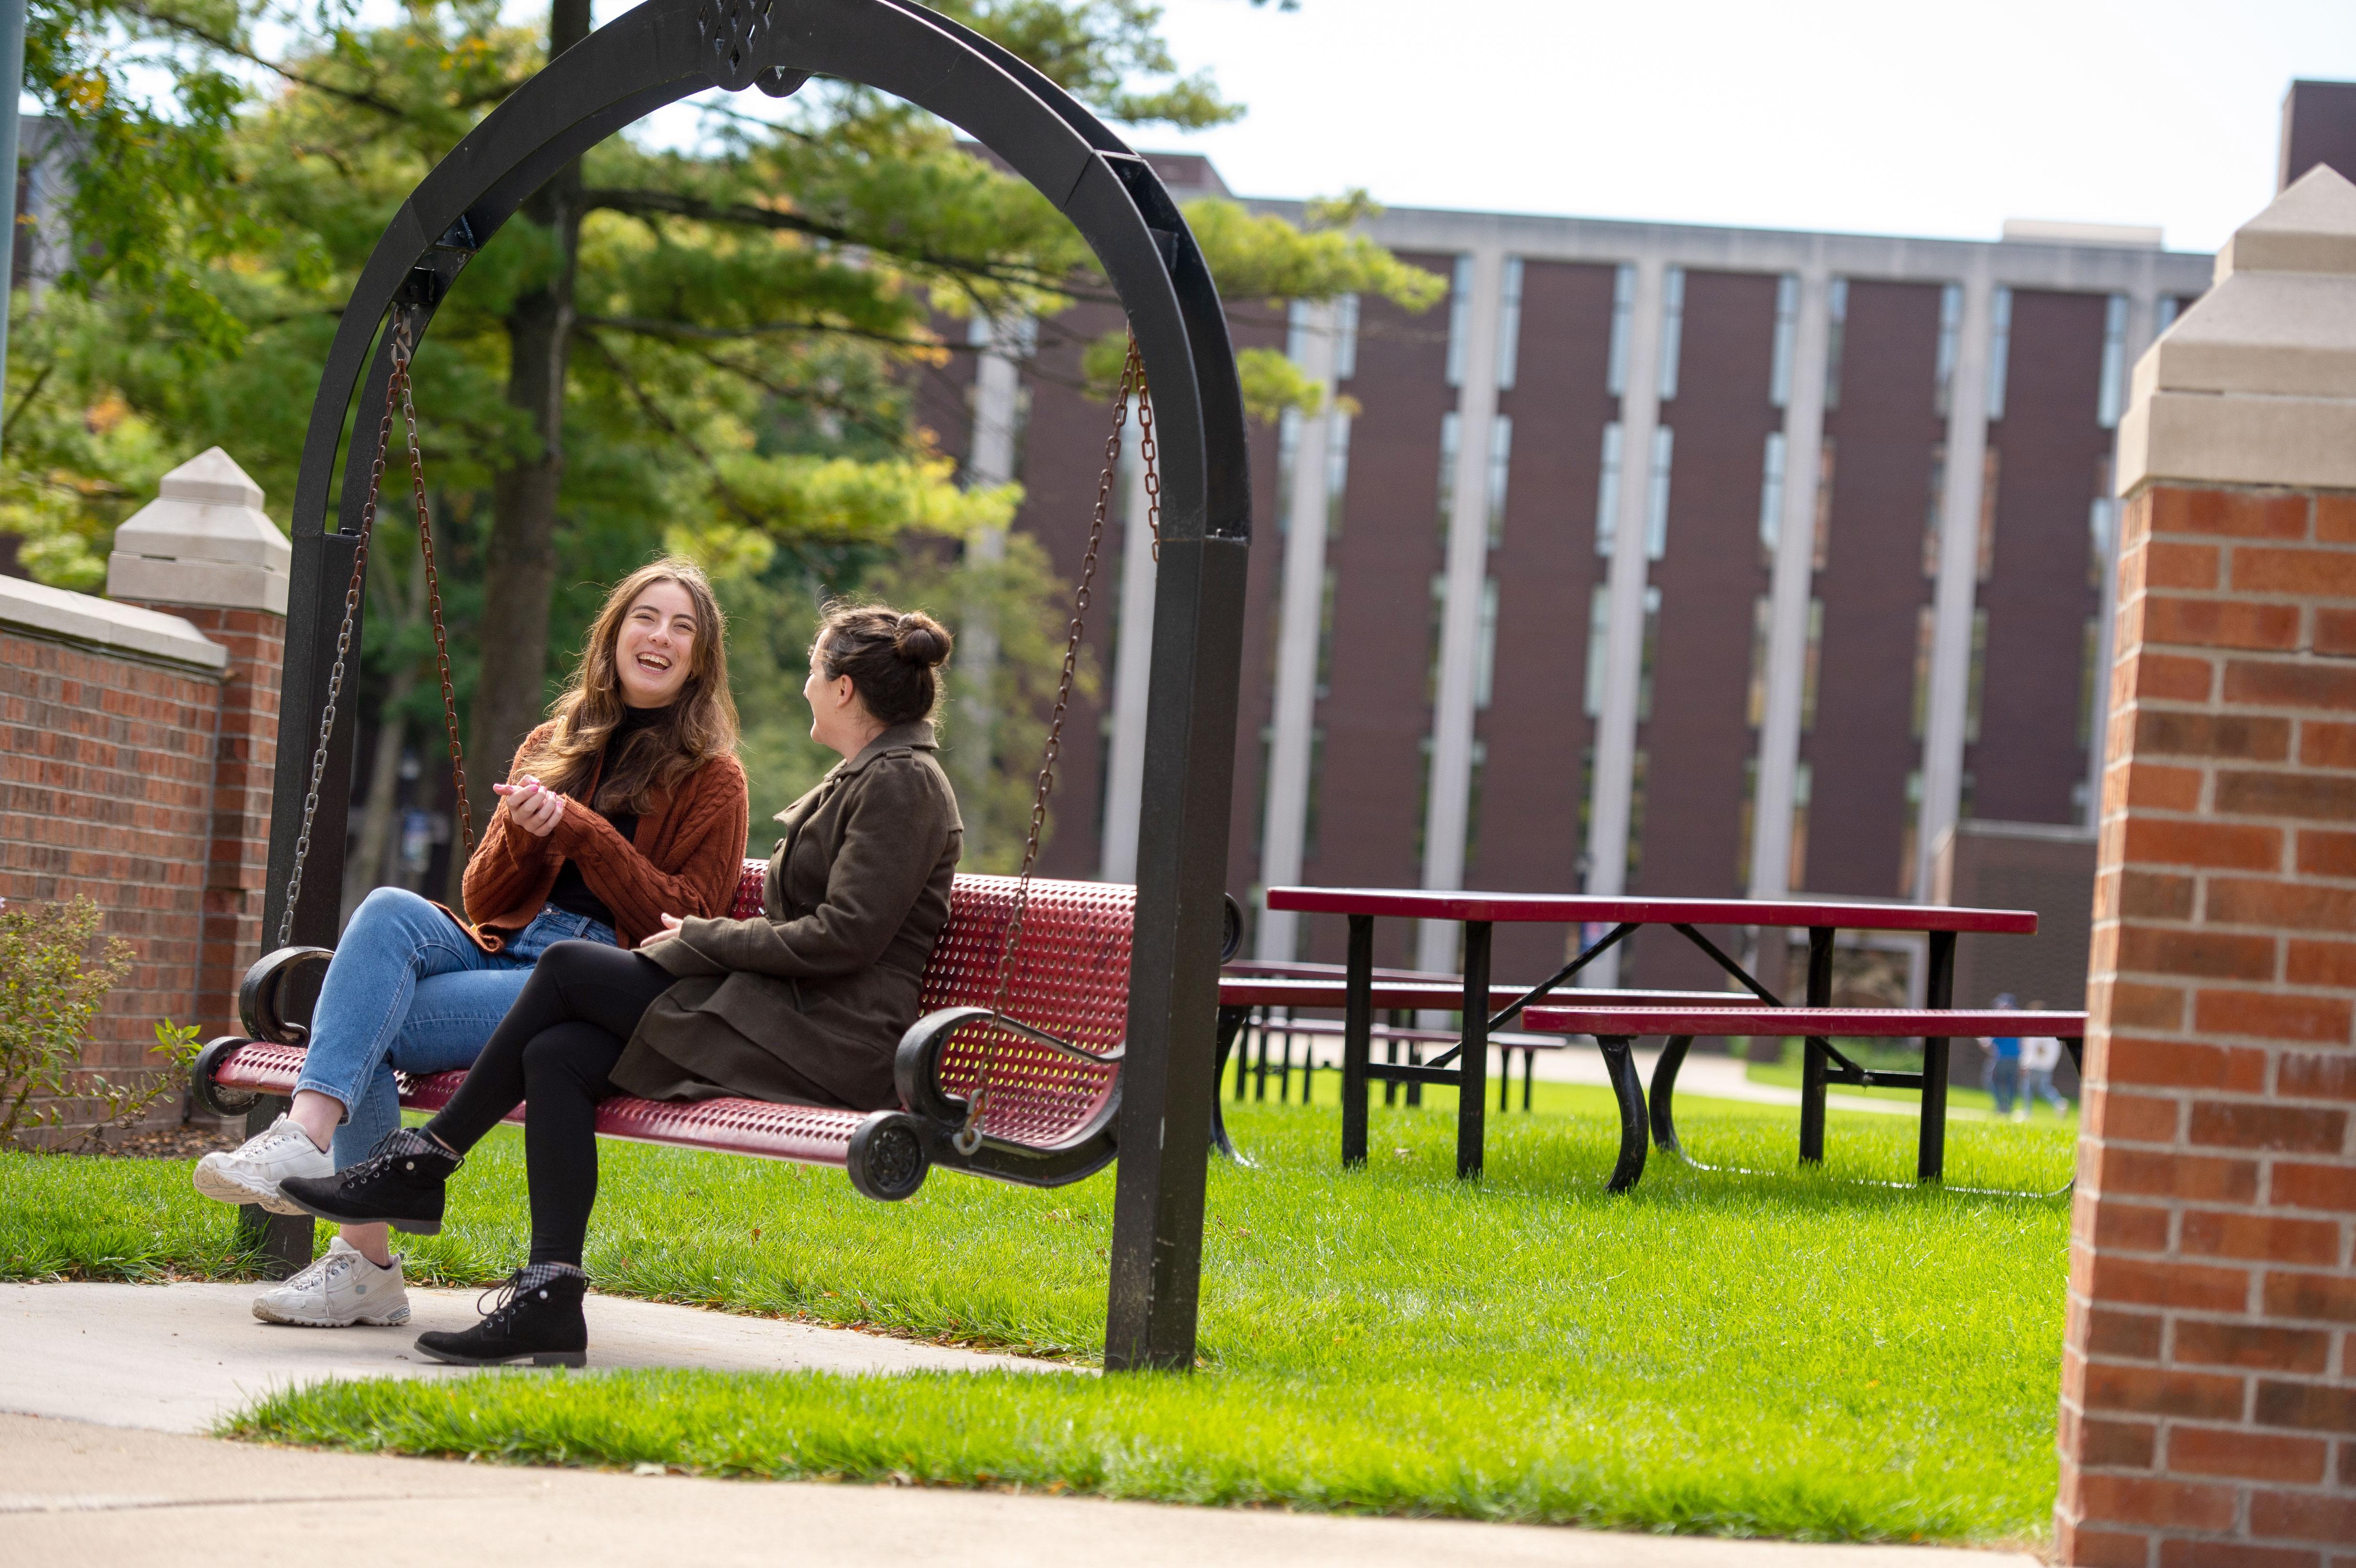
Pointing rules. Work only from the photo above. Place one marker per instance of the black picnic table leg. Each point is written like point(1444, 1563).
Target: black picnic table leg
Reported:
point(1930, 1152)
point(1231, 1023)
point(1814, 1060)
point(1628, 1086)
point(1357, 1033)
point(1473, 1066)
point(1665, 1091)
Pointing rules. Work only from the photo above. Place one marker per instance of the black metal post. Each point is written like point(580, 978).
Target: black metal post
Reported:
point(1357, 1036)
point(1814, 1061)
point(1472, 1098)
point(1931, 1150)
point(284, 1240)
point(320, 573)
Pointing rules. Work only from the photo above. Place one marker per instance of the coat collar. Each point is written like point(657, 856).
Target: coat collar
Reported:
point(916, 735)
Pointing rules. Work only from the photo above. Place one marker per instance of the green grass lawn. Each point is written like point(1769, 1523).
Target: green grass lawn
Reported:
point(1806, 1355)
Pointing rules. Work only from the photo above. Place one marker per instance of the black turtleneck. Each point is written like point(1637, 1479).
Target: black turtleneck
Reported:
point(572, 892)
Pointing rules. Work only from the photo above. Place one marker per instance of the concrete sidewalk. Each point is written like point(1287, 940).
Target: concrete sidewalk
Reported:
point(177, 1358)
point(70, 1493)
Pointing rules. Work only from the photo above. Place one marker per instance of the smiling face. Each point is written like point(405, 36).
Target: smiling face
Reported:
point(656, 649)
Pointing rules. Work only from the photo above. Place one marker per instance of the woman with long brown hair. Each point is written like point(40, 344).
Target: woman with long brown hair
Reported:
point(804, 1003)
point(626, 809)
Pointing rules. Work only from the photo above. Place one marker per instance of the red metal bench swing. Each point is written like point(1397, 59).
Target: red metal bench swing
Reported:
point(1066, 1024)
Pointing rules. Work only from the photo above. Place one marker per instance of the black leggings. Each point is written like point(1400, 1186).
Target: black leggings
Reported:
point(554, 1048)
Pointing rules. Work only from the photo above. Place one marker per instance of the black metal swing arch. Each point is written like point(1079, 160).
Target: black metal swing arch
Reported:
point(663, 51)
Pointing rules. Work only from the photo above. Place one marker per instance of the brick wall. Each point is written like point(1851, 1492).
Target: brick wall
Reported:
point(143, 785)
point(2209, 1393)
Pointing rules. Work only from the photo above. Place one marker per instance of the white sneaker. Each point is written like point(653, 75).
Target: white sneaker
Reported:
point(252, 1174)
point(339, 1290)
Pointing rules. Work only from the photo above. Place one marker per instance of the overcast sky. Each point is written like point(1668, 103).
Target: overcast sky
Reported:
point(1876, 116)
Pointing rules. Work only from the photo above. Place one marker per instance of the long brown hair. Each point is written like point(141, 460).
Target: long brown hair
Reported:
point(701, 722)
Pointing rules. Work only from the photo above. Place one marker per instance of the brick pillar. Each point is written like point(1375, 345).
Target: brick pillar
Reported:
point(204, 549)
point(2208, 1374)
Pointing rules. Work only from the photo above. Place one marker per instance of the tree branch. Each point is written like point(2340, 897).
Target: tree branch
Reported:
point(231, 46)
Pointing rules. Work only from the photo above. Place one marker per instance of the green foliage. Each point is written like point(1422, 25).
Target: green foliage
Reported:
point(55, 973)
point(1791, 1353)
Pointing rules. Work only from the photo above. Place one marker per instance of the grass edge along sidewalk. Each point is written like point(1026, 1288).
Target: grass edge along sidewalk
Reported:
point(1788, 1355)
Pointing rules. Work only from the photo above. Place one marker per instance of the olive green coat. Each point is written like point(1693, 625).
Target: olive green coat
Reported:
point(809, 1002)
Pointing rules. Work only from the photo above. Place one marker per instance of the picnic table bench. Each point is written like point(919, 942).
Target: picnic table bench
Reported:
point(1478, 913)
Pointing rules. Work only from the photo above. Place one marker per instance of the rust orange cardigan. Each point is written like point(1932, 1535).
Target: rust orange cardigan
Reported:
point(683, 859)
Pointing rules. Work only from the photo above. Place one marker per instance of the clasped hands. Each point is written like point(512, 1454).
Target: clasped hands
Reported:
point(536, 809)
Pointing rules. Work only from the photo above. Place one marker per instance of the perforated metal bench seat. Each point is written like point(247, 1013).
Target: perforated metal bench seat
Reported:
point(1049, 1117)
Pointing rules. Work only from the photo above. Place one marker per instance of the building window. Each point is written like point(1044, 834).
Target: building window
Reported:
point(1991, 471)
point(1812, 666)
point(2163, 312)
point(1607, 491)
point(1836, 331)
point(1485, 666)
point(1509, 325)
point(1288, 449)
point(1478, 767)
point(1951, 325)
point(1787, 336)
point(1345, 343)
point(1932, 509)
point(1337, 469)
point(1309, 822)
point(1762, 631)
point(1926, 625)
point(1978, 681)
point(2090, 670)
point(1770, 496)
point(1999, 349)
point(1623, 317)
point(1673, 329)
point(1652, 641)
point(2102, 518)
point(1452, 435)
point(1296, 331)
point(1906, 840)
point(1460, 320)
point(1803, 785)
point(1599, 637)
point(2115, 362)
point(1744, 822)
point(1325, 638)
point(1439, 619)
point(1824, 503)
point(1500, 462)
point(1635, 829)
point(1656, 498)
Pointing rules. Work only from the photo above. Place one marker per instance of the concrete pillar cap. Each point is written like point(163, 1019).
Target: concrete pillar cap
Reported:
point(203, 540)
point(2256, 383)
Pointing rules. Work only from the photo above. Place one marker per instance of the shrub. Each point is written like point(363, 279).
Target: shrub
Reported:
point(55, 973)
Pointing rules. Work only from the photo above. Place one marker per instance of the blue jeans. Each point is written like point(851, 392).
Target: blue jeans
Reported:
point(409, 989)
point(2004, 1082)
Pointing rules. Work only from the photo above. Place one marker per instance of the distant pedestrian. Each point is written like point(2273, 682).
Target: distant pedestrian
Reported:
point(2004, 1061)
point(2039, 1054)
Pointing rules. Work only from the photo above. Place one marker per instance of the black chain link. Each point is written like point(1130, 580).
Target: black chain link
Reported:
point(1132, 384)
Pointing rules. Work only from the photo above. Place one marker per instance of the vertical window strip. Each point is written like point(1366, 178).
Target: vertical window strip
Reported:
point(1607, 491)
point(1309, 822)
point(1623, 311)
point(1771, 496)
point(2090, 671)
point(1991, 476)
point(1460, 320)
point(2113, 401)
point(1287, 451)
point(1636, 775)
point(1977, 683)
point(1951, 322)
point(1509, 325)
point(1745, 822)
point(1650, 645)
point(1337, 469)
point(1656, 499)
point(1812, 666)
point(1836, 336)
point(2163, 312)
point(1345, 344)
point(1763, 629)
point(1803, 778)
point(1477, 770)
point(1926, 625)
point(1431, 668)
point(1825, 466)
point(1485, 668)
point(1787, 332)
point(1451, 432)
point(1673, 329)
point(1934, 510)
point(1906, 839)
point(1599, 636)
point(1296, 331)
point(1501, 463)
point(1325, 637)
point(1999, 349)
point(2101, 526)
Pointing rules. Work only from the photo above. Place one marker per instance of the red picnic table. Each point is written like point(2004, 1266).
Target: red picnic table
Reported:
point(1480, 911)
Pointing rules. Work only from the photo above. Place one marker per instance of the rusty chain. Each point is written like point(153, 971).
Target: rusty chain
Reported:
point(1132, 384)
point(396, 396)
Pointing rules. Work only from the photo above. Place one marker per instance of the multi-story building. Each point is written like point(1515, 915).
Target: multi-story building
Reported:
point(1655, 559)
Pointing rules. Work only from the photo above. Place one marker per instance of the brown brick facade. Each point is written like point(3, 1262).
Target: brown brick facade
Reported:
point(2209, 1393)
point(144, 787)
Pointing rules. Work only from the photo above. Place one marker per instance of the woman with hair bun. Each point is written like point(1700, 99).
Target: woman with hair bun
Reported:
point(805, 1004)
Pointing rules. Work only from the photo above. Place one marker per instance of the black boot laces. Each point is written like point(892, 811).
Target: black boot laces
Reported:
point(401, 1144)
point(510, 1294)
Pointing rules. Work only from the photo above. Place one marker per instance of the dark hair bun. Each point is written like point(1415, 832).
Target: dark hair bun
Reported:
point(920, 640)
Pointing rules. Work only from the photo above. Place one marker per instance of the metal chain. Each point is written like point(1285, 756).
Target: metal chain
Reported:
point(396, 395)
point(1132, 384)
point(1145, 451)
point(401, 356)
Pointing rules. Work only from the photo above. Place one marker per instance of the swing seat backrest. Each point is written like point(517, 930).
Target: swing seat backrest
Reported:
point(1070, 979)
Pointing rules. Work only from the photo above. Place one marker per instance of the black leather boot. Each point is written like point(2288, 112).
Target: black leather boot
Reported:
point(400, 1184)
point(537, 1319)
